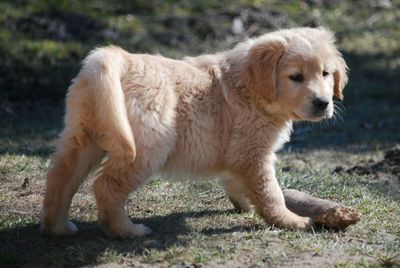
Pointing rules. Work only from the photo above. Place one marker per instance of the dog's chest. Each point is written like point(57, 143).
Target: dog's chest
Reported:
point(283, 136)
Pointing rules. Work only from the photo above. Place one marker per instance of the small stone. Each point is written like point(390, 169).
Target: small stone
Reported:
point(237, 26)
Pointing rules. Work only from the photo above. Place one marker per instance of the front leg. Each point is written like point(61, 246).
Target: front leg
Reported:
point(265, 194)
point(237, 194)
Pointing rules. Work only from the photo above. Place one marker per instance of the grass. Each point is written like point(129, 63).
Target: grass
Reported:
point(193, 222)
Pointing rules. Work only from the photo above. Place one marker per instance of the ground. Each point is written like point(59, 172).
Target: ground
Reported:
point(353, 159)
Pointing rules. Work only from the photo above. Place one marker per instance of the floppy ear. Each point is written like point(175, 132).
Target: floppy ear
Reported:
point(260, 73)
point(340, 77)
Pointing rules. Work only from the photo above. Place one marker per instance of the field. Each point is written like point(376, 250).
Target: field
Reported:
point(353, 159)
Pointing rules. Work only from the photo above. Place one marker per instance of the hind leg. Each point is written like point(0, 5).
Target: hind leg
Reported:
point(76, 155)
point(118, 179)
point(124, 173)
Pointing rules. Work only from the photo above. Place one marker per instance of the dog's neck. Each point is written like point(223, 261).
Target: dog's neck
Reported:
point(236, 93)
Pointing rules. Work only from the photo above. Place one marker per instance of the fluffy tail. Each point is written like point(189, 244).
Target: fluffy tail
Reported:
point(103, 69)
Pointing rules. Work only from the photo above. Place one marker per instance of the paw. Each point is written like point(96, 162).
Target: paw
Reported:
point(303, 223)
point(293, 221)
point(297, 223)
point(64, 229)
point(128, 230)
point(141, 230)
point(241, 205)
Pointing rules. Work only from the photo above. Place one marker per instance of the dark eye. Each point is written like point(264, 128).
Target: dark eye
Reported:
point(297, 78)
point(324, 73)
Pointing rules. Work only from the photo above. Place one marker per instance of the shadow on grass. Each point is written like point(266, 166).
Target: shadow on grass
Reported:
point(25, 246)
point(30, 128)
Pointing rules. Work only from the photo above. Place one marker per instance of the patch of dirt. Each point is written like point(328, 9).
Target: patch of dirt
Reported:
point(390, 164)
point(387, 170)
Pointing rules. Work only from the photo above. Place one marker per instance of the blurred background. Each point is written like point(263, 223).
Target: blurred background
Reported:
point(42, 44)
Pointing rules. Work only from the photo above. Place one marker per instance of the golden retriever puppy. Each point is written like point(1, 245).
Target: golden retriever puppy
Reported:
point(222, 115)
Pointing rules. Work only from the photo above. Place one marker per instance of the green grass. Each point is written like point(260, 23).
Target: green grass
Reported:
point(193, 222)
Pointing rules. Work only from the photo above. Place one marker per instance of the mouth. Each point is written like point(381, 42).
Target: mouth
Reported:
point(321, 116)
point(313, 117)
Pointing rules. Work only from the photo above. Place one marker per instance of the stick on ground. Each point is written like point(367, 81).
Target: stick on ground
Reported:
point(323, 212)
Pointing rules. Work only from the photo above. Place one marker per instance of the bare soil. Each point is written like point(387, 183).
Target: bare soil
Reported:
point(384, 174)
point(389, 165)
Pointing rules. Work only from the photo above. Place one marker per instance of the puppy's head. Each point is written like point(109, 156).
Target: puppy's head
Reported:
point(297, 71)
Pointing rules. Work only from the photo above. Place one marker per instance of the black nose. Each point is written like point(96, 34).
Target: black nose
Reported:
point(320, 104)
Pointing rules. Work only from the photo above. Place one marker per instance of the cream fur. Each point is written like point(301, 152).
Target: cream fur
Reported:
point(221, 115)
